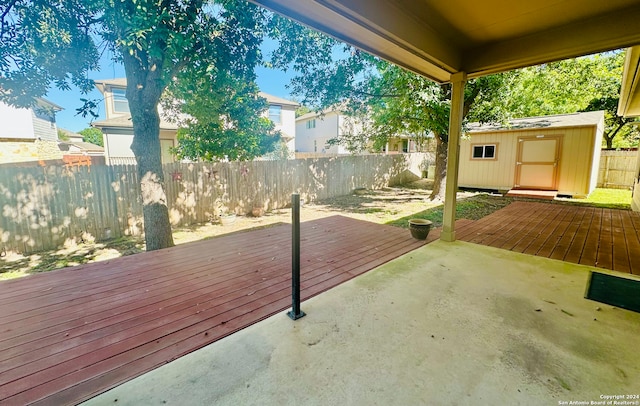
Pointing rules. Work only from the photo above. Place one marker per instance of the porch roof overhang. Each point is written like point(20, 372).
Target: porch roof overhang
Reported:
point(629, 104)
point(437, 38)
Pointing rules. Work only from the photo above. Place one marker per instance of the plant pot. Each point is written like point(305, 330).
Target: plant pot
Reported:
point(227, 219)
point(257, 212)
point(419, 228)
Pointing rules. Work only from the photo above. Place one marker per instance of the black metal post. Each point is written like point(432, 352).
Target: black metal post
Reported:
point(295, 312)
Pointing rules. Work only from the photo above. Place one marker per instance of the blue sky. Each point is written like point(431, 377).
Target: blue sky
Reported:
point(269, 80)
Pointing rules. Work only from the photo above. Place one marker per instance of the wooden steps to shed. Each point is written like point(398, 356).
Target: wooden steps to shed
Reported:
point(533, 194)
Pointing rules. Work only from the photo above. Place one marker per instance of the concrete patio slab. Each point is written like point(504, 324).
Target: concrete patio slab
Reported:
point(449, 323)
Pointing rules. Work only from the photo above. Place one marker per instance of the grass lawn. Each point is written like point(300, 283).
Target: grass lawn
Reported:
point(472, 208)
point(606, 198)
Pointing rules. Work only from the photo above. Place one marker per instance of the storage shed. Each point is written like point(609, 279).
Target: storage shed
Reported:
point(558, 153)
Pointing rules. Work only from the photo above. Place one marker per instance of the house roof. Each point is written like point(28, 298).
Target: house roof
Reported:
point(591, 118)
point(313, 114)
point(271, 99)
point(83, 146)
point(101, 84)
point(438, 38)
point(125, 122)
point(42, 102)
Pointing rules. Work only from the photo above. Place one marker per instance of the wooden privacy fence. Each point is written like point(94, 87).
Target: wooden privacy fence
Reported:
point(49, 207)
point(617, 169)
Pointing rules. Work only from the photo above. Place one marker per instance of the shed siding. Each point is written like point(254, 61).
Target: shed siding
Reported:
point(575, 176)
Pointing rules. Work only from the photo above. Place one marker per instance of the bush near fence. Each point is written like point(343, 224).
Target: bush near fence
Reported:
point(46, 208)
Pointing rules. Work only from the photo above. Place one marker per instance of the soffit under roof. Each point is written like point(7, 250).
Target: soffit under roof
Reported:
point(437, 38)
point(629, 104)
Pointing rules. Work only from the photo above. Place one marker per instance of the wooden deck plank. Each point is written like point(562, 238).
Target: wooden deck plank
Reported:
point(619, 243)
point(575, 250)
point(632, 240)
point(605, 238)
point(558, 233)
point(535, 237)
point(561, 248)
point(174, 302)
point(521, 225)
point(589, 255)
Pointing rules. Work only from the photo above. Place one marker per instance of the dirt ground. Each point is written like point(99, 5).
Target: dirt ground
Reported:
point(379, 206)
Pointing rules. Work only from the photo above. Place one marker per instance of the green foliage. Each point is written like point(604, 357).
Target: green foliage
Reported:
point(46, 42)
point(62, 135)
point(565, 86)
point(588, 83)
point(92, 135)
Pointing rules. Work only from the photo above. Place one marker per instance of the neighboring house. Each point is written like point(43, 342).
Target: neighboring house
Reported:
point(29, 134)
point(554, 153)
point(283, 114)
point(315, 129)
point(118, 128)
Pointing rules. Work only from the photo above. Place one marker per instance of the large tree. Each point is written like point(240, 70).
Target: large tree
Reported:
point(587, 83)
point(392, 100)
point(192, 48)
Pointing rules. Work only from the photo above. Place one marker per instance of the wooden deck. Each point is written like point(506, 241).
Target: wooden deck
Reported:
point(70, 334)
point(603, 238)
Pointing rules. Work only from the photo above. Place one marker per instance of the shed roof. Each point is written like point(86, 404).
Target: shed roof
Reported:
point(590, 118)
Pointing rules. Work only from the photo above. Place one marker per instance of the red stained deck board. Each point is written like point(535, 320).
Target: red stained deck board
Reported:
point(561, 248)
point(621, 261)
point(605, 238)
point(77, 332)
point(632, 240)
point(558, 233)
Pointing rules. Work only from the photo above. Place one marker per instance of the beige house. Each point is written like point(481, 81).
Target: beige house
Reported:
point(556, 153)
point(29, 134)
point(118, 128)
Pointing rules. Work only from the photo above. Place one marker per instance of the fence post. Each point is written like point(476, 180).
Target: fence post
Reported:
point(295, 312)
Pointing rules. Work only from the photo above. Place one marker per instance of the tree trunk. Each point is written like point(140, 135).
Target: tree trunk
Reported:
point(609, 141)
point(440, 176)
point(146, 148)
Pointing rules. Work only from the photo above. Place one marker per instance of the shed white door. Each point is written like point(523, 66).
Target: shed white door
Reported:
point(537, 162)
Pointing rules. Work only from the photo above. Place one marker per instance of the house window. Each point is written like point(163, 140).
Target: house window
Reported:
point(405, 146)
point(120, 102)
point(311, 123)
point(487, 151)
point(275, 114)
